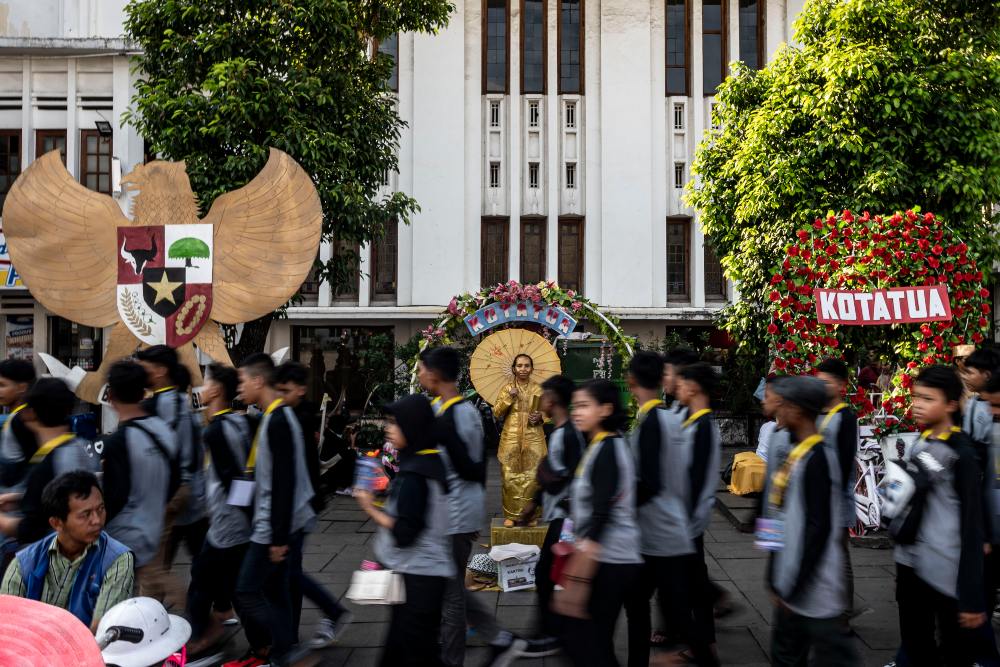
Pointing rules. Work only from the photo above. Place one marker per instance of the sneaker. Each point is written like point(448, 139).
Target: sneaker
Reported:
point(540, 647)
point(329, 632)
point(504, 654)
point(248, 660)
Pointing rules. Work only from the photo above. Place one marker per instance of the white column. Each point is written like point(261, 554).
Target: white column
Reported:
point(404, 281)
point(514, 166)
point(123, 137)
point(593, 119)
point(661, 113)
point(365, 282)
point(554, 123)
point(72, 121)
point(626, 153)
point(473, 156)
point(325, 297)
point(696, 275)
point(27, 125)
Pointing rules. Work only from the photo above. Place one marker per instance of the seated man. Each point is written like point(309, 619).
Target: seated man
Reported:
point(64, 569)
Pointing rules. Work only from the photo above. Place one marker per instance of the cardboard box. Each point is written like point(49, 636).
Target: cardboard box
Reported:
point(516, 575)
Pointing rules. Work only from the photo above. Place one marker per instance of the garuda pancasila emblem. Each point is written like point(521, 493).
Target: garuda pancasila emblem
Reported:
point(165, 276)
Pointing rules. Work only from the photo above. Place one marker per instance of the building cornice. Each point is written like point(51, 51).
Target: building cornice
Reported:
point(67, 46)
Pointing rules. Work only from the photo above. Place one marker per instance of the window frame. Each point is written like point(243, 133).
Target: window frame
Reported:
point(760, 32)
point(570, 110)
point(84, 173)
point(504, 223)
point(542, 223)
point(583, 52)
point(534, 184)
point(42, 135)
point(347, 297)
point(376, 296)
point(680, 112)
point(723, 33)
point(392, 83)
point(687, 52)
point(499, 173)
point(722, 295)
point(679, 183)
point(580, 222)
point(545, 48)
point(570, 183)
point(686, 222)
point(485, 49)
point(8, 134)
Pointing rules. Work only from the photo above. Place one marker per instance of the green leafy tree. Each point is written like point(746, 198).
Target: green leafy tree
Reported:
point(885, 105)
point(188, 248)
point(221, 81)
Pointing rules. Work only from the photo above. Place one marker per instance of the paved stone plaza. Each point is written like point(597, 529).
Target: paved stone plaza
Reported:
point(345, 538)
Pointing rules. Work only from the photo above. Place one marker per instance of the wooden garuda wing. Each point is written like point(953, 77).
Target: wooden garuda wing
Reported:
point(61, 238)
point(266, 237)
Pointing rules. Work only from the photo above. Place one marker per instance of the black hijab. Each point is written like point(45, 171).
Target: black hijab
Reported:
point(415, 418)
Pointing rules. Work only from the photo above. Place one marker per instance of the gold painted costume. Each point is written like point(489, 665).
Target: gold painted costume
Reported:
point(521, 448)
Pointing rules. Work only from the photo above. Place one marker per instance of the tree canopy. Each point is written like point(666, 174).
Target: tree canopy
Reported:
point(884, 105)
point(220, 82)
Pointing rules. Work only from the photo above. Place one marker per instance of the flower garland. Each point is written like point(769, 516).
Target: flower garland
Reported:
point(875, 252)
point(451, 324)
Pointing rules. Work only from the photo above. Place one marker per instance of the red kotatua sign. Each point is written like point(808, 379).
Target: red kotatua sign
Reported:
point(897, 305)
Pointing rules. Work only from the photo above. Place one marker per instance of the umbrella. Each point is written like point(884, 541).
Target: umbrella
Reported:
point(490, 366)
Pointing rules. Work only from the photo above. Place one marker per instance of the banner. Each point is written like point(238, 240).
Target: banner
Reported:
point(495, 314)
point(897, 305)
point(8, 276)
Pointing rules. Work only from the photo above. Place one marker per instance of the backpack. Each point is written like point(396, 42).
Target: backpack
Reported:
point(905, 487)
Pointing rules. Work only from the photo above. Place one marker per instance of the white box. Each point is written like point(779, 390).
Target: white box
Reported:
point(516, 575)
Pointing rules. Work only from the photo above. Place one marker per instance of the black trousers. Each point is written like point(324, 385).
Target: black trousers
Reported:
point(415, 625)
point(677, 581)
point(793, 636)
point(264, 597)
point(591, 642)
point(548, 622)
point(213, 579)
point(192, 534)
point(923, 613)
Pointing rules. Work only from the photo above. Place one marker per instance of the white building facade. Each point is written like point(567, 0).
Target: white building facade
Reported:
point(545, 139)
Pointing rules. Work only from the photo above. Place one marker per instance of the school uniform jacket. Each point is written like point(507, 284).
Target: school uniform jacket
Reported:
point(74, 454)
point(700, 435)
point(173, 407)
point(282, 490)
point(227, 440)
point(17, 445)
point(459, 432)
point(555, 470)
point(839, 428)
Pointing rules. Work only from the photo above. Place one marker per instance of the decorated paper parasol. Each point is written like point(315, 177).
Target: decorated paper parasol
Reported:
point(490, 366)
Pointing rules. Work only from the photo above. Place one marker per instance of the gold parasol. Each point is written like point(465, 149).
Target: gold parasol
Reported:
point(490, 366)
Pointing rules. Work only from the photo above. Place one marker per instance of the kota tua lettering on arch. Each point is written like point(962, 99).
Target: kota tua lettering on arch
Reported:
point(897, 305)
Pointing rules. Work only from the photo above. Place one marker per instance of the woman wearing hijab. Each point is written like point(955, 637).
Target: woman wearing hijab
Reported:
point(412, 534)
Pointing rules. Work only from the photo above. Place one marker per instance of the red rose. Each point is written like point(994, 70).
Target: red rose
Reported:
point(938, 342)
point(772, 328)
point(806, 254)
point(977, 337)
point(821, 261)
point(983, 292)
point(847, 216)
point(928, 217)
point(921, 346)
point(774, 296)
point(811, 357)
point(818, 243)
point(775, 279)
point(911, 216)
point(803, 235)
point(850, 261)
point(818, 224)
point(937, 250)
point(985, 308)
point(834, 265)
point(926, 331)
point(779, 363)
point(786, 316)
point(907, 382)
point(933, 262)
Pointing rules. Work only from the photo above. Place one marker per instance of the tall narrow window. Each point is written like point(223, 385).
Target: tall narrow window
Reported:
point(570, 175)
point(494, 261)
point(533, 46)
point(10, 160)
point(678, 116)
point(95, 161)
point(679, 175)
point(533, 175)
point(570, 47)
point(349, 276)
point(494, 174)
point(570, 115)
point(495, 46)
point(570, 274)
point(678, 230)
point(715, 279)
point(751, 24)
point(534, 114)
point(713, 44)
point(532, 250)
point(494, 113)
point(390, 47)
point(383, 269)
point(677, 47)
point(50, 140)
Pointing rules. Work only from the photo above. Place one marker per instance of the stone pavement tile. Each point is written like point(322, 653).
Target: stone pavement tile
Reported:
point(368, 527)
point(517, 619)
point(729, 535)
point(342, 526)
point(354, 538)
point(336, 656)
point(869, 572)
point(745, 571)
point(345, 512)
point(744, 612)
point(738, 646)
point(875, 590)
point(715, 571)
point(341, 564)
point(879, 630)
point(365, 635)
point(762, 635)
point(862, 556)
point(358, 657)
point(742, 550)
point(517, 598)
point(315, 562)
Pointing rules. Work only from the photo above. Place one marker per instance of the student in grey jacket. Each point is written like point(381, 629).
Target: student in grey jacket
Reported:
point(412, 536)
point(602, 507)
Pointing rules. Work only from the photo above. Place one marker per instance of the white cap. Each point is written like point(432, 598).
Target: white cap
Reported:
point(162, 634)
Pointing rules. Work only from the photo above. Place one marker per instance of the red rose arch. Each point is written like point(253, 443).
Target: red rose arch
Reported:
point(868, 253)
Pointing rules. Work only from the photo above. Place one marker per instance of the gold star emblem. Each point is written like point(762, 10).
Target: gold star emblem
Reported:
point(164, 289)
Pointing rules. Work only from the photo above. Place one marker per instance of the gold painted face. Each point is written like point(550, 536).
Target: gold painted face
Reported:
point(523, 366)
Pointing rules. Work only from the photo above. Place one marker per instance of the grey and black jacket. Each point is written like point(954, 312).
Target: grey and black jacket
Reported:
point(458, 431)
point(174, 408)
point(227, 440)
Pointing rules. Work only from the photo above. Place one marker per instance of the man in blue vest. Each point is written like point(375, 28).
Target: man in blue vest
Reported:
point(80, 568)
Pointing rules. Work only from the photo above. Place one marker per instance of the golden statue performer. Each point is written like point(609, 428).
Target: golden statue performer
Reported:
point(522, 443)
